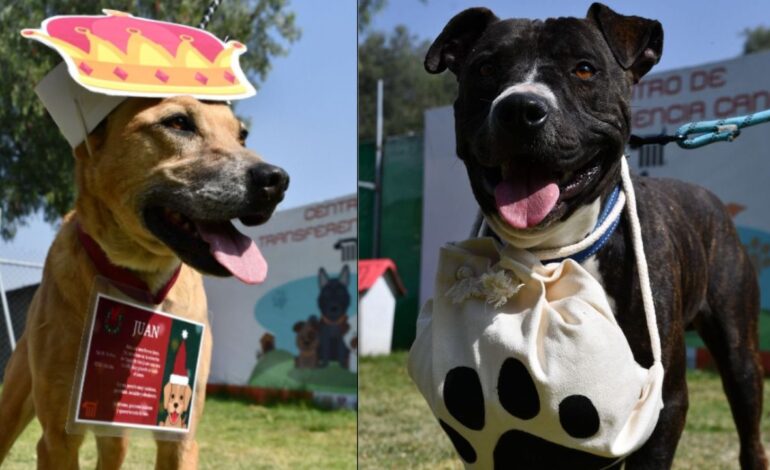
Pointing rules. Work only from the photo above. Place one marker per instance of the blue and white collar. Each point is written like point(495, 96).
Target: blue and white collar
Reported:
point(605, 226)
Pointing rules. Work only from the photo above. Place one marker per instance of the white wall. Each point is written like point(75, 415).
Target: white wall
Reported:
point(737, 172)
point(295, 244)
point(448, 207)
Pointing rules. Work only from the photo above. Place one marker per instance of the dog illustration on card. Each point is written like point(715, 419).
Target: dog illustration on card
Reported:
point(177, 392)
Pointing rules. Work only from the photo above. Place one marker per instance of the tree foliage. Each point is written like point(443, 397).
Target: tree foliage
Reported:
point(757, 39)
point(36, 163)
point(366, 11)
point(398, 58)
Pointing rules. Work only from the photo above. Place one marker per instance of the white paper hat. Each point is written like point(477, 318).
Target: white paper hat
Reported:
point(75, 110)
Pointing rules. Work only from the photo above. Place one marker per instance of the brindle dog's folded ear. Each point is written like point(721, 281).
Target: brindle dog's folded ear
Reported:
point(452, 46)
point(636, 43)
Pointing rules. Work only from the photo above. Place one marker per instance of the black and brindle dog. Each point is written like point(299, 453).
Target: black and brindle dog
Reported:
point(542, 118)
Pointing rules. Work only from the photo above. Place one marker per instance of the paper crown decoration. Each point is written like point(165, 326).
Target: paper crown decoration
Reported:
point(119, 54)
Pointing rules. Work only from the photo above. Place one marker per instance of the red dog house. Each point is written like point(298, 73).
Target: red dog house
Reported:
point(378, 286)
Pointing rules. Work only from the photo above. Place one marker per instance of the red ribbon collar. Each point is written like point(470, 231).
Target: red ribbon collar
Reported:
point(123, 278)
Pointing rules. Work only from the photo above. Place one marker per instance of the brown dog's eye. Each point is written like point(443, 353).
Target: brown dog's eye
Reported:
point(584, 70)
point(243, 135)
point(179, 122)
point(172, 396)
point(486, 69)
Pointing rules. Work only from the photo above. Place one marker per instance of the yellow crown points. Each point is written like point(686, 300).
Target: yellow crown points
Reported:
point(119, 54)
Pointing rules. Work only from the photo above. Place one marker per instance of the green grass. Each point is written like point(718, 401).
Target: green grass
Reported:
point(397, 429)
point(238, 435)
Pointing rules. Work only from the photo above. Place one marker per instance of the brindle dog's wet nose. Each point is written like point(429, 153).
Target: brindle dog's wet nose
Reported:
point(521, 112)
point(269, 181)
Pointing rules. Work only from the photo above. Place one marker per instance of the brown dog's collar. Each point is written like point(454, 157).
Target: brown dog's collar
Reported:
point(123, 278)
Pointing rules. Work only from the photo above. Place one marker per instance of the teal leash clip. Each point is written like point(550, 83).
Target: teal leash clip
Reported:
point(701, 133)
point(721, 130)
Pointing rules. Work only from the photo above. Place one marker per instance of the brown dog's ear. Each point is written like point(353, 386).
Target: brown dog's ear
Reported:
point(451, 47)
point(95, 140)
point(81, 151)
point(636, 42)
point(298, 326)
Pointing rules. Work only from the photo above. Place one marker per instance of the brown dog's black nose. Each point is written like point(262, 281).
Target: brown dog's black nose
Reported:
point(269, 181)
point(521, 111)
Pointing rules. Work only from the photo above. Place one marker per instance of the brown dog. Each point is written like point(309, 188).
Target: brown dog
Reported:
point(163, 181)
point(176, 400)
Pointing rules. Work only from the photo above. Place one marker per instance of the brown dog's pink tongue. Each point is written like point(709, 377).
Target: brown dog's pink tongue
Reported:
point(235, 251)
point(525, 198)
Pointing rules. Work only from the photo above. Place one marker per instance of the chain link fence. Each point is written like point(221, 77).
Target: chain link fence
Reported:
point(18, 283)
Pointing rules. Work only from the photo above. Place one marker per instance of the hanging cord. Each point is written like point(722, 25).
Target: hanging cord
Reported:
point(209, 13)
point(82, 119)
point(641, 261)
point(210, 10)
point(699, 133)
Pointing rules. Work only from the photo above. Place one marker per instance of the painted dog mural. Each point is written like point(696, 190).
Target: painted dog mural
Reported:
point(333, 302)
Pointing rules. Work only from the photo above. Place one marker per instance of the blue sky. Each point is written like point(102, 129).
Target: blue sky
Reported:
point(303, 118)
point(695, 32)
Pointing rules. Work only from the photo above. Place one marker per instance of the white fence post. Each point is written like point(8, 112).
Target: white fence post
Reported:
point(7, 315)
point(34, 279)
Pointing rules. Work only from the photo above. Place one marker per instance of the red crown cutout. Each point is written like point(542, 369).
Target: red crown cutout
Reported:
point(119, 54)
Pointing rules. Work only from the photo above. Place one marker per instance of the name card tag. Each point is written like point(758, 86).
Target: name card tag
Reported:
point(138, 366)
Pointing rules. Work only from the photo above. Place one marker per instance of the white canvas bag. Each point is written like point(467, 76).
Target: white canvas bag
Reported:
point(542, 345)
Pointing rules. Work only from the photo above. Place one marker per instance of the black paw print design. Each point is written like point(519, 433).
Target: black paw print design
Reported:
point(517, 393)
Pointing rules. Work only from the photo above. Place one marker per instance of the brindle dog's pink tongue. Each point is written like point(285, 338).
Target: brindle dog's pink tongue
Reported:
point(524, 199)
point(235, 251)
